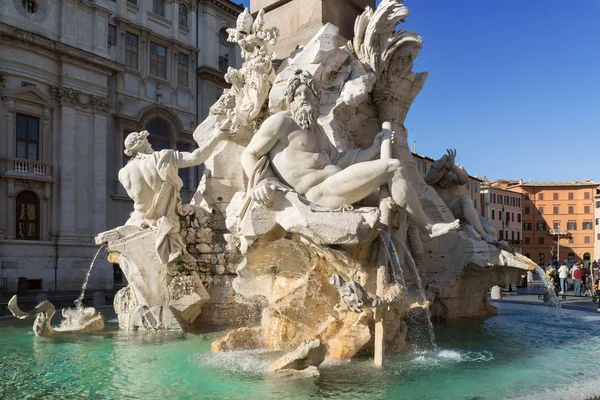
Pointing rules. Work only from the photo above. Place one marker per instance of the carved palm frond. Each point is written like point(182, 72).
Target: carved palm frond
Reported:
point(375, 35)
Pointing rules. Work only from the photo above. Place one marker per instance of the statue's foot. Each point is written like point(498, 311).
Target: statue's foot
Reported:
point(440, 229)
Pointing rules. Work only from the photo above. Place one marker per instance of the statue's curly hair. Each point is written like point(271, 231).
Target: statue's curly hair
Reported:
point(134, 141)
point(300, 78)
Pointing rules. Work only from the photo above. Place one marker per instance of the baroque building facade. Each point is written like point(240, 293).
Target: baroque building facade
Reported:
point(504, 210)
point(558, 220)
point(75, 78)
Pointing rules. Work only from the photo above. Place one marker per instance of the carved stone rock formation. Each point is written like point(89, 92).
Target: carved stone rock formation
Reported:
point(311, 353)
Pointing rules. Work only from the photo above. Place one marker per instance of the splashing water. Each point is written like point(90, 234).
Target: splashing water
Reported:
point(413, 264)
point(549, 286)
point(79, 300)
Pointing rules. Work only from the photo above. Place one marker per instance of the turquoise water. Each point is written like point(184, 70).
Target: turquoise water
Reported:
point(523, 351)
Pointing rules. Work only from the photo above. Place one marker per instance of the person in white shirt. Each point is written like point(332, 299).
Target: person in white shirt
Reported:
point(563, 274)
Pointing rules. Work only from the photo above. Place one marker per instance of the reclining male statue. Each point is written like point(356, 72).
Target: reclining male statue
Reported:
point(447, 178)
point(301, 156)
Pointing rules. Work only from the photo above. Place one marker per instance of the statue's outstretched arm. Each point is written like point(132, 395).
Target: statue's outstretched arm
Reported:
point(202, 153)
point(461, 176)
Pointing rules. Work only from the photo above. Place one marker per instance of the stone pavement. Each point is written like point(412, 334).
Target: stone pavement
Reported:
point(529, 295)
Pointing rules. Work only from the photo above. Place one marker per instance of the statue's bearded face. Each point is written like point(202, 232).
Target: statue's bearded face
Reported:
point(305, 107)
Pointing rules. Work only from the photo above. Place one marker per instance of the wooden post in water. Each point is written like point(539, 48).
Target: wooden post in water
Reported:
point(382, 269)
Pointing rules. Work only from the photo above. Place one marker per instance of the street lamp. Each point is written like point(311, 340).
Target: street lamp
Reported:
point(502, 218)
point(558, 244)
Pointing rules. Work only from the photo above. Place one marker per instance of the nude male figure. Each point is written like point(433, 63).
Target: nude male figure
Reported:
point(302, 156)
point(147, 170)
point(447, 178)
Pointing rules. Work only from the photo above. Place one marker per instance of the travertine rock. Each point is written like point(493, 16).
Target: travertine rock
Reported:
point(310, 353)
point(239, 339)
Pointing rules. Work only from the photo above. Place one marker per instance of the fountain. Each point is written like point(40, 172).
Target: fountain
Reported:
point(80, 319)
point(298, 241)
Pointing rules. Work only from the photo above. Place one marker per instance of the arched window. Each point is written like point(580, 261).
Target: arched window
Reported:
point(29, 5)
point(160, 137)
point(224, 50)
point(28, 216)
point(587, 257)
point(183, 15)
point(571, 257)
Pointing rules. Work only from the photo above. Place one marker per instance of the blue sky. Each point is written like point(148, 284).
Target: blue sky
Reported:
point(514, 86)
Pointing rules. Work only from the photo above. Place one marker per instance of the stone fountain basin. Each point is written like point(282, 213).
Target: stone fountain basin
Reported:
point(511, 355)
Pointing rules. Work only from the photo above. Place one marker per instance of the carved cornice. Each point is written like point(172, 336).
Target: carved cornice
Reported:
point(8, 32)
point(213, 75)
point(226, 6)
point(65, 95)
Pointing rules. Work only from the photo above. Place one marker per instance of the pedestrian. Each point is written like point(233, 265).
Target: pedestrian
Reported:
point(577, 280)
point(563, 275)
point(552, 277)
point(529, 278)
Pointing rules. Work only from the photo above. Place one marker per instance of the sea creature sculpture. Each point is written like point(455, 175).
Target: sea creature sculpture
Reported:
point(77, 320)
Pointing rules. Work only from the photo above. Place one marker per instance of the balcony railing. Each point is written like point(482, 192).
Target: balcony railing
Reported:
point(559, 232)
point(30, 167)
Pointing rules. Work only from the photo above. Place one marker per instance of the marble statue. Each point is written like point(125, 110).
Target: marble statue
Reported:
point(302, 157)
point(151, 180)
point(77, 320)
point(242, 103)
point(448, 178)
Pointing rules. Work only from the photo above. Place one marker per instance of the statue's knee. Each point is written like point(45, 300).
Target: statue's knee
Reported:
point(393, 165)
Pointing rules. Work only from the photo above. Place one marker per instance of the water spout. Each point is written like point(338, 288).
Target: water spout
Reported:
point(392, 255)
point(421, 291)
point(549, 286)
point(79, 300)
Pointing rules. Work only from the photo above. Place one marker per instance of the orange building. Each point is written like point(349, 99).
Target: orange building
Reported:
point(558, 220)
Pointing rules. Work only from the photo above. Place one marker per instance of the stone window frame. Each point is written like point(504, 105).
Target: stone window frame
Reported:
point(111, 38)
point(156, 7)
point(183, 15)
point(156, 61)
point(26, 139)
point(129, 51)
point(31, 101)
point(224, 60)
point(23, 219)
point(183, 73)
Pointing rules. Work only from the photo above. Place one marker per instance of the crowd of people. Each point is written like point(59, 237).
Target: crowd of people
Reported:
point(584, 281)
